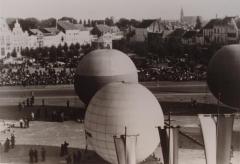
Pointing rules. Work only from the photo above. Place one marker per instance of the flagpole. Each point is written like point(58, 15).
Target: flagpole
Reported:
point(125, 144)
point(169, 138)
point(114, 139)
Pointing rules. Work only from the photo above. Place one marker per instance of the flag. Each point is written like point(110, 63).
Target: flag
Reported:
point(131, 143)
point(164, 143)
point(208, 127)
point(224, 138)
point(173, 146)
point(120, 149)
point(126, 149)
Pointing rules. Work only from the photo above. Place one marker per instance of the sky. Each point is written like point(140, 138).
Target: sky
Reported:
point(100, 9)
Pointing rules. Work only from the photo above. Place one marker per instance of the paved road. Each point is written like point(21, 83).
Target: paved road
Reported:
point(59, 94)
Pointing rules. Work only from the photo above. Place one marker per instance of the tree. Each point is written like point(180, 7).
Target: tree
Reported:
point(65, 47)
point(109, 22)
point(29, 23)
point(72, 47)
point(51, 22)
point(53, 54)
point(69, 19)
point(80, 21)
point(134, 22)
point(84, 22)
point(123, 23)
point(92, 23)
point(77, 46)
point(59, 50)
point(89, 22)
point(14, 53)
point(26, 24)
point(198, 23)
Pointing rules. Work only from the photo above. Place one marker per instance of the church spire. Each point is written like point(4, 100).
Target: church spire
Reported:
point(181, 15)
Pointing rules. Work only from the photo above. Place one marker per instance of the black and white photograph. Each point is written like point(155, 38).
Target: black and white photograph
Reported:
point(119, 81)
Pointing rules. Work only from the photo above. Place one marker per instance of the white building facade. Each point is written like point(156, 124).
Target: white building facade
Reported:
point(19, 38)
point(5, 39)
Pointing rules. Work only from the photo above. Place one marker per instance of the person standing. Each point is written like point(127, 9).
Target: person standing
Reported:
point(35, 155)
point(21, 122)
point(24, 104)
point(32, 116)
point(79, 156)
point(32, 100)
point(19, 106)
point(43, 102)
point(43, 153)
point(27, 102)
point(31, 153)
point(75, 161)
point(69, 159)
point(68, 103)
point(6, 145)
point(65, 146)
point(62, 116)
point(27, 122)
point(62, 150)
point(12, 141)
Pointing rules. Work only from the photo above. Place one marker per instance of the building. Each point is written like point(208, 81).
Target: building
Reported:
point(36, 38)
point(19, 38)
point(152, 27)
point(141, 31)
point(222, 31)
point(200, 38)
point(52, 37)
point(190, 20)
point(73, 33)
point(189, 37)
point(102, 29)
point(5, 39)
point(104, 41)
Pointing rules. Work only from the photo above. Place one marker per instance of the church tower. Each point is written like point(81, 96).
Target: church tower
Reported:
point(181, 15)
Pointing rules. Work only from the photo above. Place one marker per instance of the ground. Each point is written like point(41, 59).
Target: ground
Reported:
point(173, 97)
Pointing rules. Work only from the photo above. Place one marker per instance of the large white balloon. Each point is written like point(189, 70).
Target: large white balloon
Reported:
point(117, 105)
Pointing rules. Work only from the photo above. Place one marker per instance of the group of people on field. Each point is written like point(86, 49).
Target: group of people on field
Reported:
point(9, 143)
point(33, 155)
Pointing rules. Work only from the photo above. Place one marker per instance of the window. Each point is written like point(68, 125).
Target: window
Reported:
point(2, 51)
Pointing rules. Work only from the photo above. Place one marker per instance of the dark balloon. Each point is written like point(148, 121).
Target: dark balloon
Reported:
point(101, 67)
point(223, 76)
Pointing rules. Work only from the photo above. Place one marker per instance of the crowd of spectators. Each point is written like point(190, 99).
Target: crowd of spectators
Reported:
point(170, 74)
point(172, 70)
point(25, 75)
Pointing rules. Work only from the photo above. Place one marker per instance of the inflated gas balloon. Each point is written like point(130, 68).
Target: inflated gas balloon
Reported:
point(119, 105)
point(223, 76)
point(100, 67)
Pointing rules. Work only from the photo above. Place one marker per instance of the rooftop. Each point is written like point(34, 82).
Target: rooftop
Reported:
point(189, 34)
point(222, 22)
point(80, 27)
point(67, 25)
point(177, 33)
point(103, 28)
point(146, 23)
point(52, 30)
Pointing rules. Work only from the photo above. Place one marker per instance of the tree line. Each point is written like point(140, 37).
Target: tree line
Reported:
point(31, 23)
point(62, 53)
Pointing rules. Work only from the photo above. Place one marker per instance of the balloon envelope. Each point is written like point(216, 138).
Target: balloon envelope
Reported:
point(223, 76)
point(120, 105)
point(100, 67)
